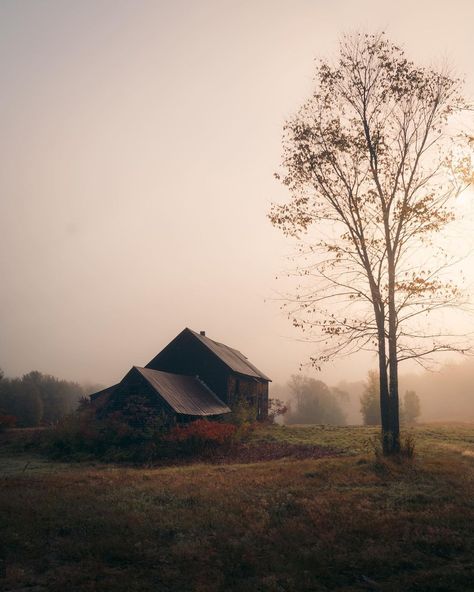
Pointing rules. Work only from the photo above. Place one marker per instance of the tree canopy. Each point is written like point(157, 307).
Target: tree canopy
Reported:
point(37, 398)
point(312, 401)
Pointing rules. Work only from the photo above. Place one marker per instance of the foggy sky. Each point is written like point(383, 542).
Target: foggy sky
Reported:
point(138, 146)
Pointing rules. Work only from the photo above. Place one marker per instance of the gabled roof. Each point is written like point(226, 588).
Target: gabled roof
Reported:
point(107, 391)
point(186, 395)
point(234, 359)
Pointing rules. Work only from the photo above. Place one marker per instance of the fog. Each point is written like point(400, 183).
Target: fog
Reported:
point(446, 394)
point(138, 147)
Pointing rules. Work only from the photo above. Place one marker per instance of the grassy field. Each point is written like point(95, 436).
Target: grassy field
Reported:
point(343, 522)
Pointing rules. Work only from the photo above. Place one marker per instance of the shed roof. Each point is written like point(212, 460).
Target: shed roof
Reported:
point(234, 359)
point(187, 395)
point(107, 391)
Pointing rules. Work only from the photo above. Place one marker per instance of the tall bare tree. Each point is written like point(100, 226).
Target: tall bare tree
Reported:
point(372, 161)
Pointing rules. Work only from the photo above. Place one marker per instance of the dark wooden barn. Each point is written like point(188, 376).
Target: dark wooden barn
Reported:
point(193, 376)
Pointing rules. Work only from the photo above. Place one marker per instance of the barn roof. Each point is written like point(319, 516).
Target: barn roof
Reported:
point(107, 391)
point(234, 359)
point(187, 395)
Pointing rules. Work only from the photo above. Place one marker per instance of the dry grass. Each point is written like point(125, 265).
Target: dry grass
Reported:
point(336, 523)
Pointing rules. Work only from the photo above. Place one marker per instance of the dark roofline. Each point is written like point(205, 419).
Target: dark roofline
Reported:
point(97, 394)
point(253, 372)
point(151, 376)
point(256, 373)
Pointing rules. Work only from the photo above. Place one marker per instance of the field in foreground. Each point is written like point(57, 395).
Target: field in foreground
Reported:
point(345, 522)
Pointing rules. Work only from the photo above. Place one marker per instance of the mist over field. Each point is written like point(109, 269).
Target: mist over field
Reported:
point(139, 146)
point(446, 394)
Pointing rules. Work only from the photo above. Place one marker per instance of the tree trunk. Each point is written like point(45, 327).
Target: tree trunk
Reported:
point(393, 362)
point(379, 311)
point(384, 389)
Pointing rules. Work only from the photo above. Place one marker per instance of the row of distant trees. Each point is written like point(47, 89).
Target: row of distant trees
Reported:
point(313, 401)
point(37, 399)
point(41, 399)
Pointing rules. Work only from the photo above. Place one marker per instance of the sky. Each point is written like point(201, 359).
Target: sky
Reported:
point(137, 157)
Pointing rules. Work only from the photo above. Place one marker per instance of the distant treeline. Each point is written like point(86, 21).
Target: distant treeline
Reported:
point(311, 401)
point(37, 399)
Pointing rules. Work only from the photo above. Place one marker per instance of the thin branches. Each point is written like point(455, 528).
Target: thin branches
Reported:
point(369, 154)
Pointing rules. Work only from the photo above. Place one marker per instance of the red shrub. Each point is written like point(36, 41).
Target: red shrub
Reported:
point(7, 421)
point(201, 434)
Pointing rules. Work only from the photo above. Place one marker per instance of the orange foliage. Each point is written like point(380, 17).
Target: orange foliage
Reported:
point(202, 433)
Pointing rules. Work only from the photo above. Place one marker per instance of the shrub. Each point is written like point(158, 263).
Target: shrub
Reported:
point(244, 413)
point(200, 436)
point(7, 421)
point(276, 408)
point(407, 446)
point(110, 437)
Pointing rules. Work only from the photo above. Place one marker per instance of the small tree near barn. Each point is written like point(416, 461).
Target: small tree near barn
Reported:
point(370, 161)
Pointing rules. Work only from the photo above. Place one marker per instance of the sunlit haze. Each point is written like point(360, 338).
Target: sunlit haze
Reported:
point(138, 149)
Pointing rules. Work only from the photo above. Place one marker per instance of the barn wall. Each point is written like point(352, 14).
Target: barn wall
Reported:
point(264, 399)
point(186, 355)
point(255, 392)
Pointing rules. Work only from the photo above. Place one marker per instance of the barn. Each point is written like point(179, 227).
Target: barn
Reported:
point(192, 377)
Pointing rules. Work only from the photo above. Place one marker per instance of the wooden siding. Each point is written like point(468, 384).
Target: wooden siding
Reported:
point(189, 356)
point(186, 355)
point(255, 392)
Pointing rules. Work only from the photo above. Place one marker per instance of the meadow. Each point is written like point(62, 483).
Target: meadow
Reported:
point(344, 520)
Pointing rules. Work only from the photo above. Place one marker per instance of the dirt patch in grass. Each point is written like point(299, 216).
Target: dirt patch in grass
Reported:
point(251, 452)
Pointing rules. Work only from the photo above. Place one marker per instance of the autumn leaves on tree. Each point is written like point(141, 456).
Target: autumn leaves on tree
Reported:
point(372, 167)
